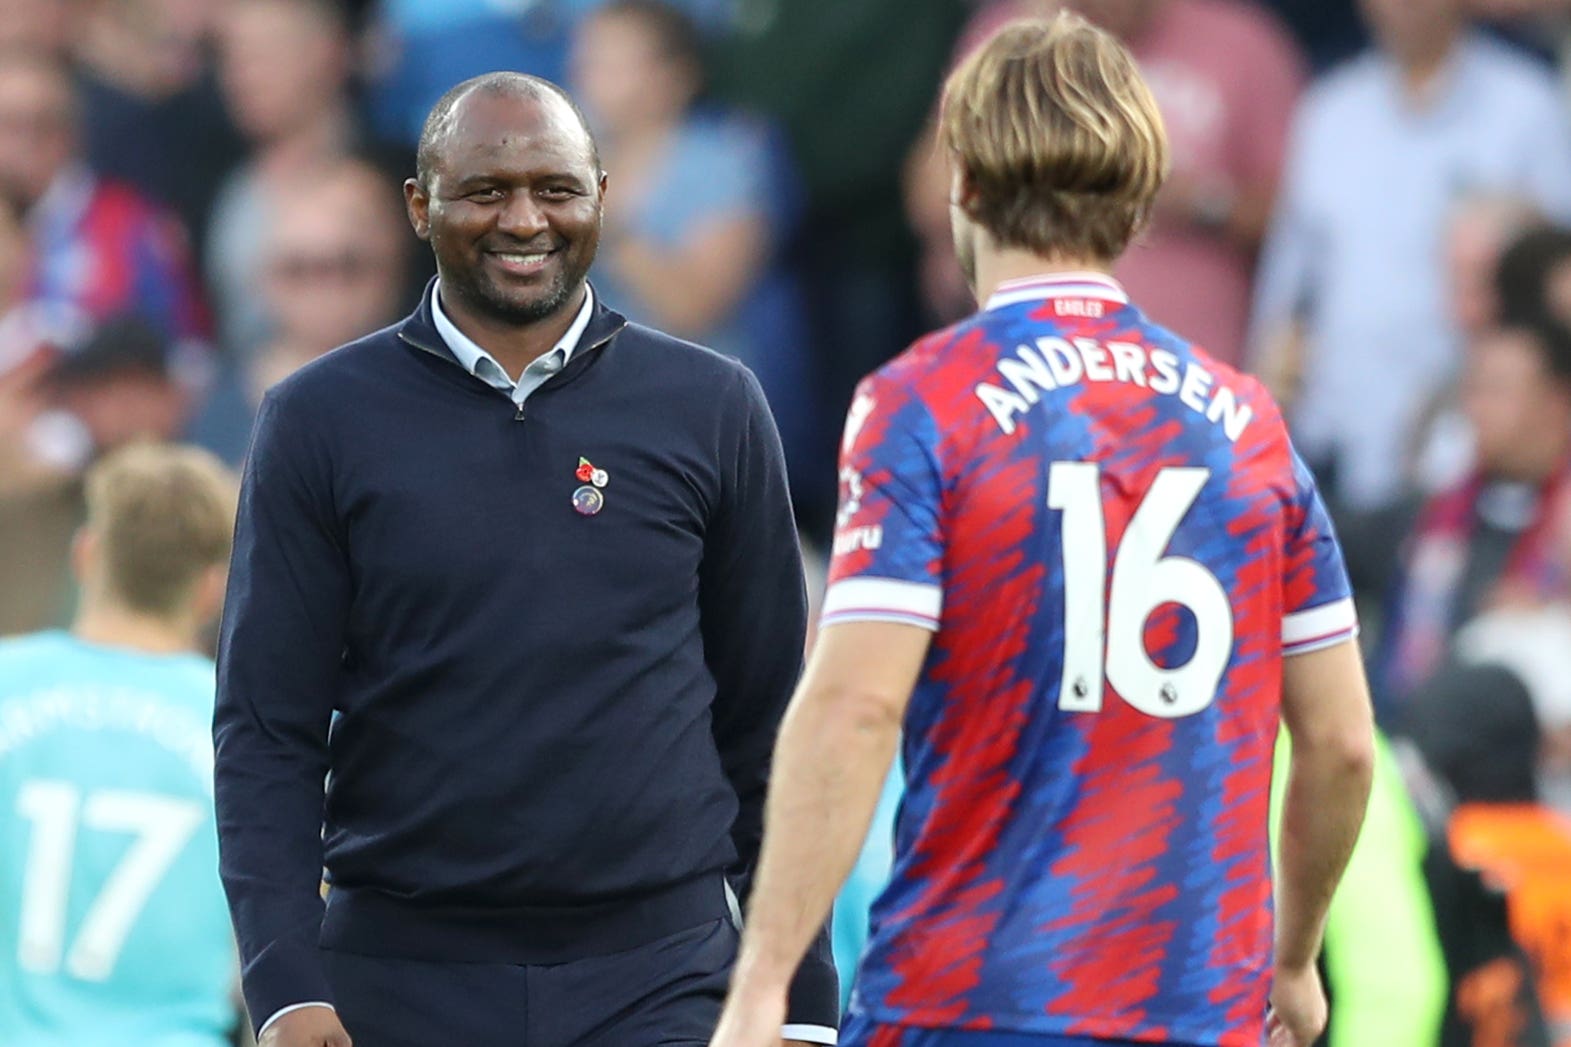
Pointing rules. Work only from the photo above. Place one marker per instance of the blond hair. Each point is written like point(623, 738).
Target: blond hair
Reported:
point(1057, 137)
point(163, 514)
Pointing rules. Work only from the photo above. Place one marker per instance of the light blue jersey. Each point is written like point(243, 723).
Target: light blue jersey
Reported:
point(113, 926)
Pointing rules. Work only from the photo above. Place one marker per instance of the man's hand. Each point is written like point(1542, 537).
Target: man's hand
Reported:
point(307, 1027)
point(750, 1019)
point(1298, 1008)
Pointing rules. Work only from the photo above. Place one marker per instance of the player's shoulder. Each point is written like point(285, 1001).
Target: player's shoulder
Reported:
point(1267, 425)
point(922, 367)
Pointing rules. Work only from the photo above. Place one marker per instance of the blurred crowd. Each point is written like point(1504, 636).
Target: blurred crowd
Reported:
point(1369, 207)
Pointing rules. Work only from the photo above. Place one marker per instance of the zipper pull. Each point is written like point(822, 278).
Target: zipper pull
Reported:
point(518, 415)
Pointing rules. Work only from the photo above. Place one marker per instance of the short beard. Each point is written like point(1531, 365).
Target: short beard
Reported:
point(483, 298)
point(527, 312)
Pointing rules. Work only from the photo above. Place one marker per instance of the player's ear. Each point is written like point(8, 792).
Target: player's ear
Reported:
point(962, 188)
point(417, 202)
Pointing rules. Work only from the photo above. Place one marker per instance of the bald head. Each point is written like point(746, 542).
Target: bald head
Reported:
point(438, 125)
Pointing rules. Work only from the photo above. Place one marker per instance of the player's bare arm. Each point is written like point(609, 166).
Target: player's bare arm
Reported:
point(835, 747)
point(1325, 704)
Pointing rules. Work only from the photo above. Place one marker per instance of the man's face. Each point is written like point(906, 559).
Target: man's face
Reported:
point(279, 64)
point(513, 208)
point(127, 405)
point(1518, 412)
point(36, 134)
point(334, 261)
point(623, 78)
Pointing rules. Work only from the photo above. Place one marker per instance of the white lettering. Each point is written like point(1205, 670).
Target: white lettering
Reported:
point(1095, 358)
point(1054, 363)
point(1233, 416)
point(1197, 384)
point(1077, 307)
point(1129, 361)
point(1002, 404)
point(1029, 375)
point(1166, 364)
point(869, 537)
point(1061, 359)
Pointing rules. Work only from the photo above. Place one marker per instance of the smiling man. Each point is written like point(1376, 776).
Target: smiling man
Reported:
point(507, 542)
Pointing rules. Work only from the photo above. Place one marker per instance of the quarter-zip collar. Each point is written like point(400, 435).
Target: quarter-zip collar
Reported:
point(419, 330)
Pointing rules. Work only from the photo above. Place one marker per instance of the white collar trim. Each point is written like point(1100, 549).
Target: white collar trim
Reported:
point(1057, 285)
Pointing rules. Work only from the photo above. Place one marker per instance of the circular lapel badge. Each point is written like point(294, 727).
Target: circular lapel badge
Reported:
point(588, 500)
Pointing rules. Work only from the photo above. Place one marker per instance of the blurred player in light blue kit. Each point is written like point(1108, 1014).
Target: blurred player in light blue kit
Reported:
point(113, 927)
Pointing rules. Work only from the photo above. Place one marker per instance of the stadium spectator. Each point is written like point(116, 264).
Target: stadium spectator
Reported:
point(99, 249)
point(121, 386)
point(56, 415)
point(1226, 77)
point(1497, 534)
point(284, 66)
point(114, 927)
point(605, 650)
point(1023, 514)
point(1381, 152)
point(1476, 236)
point(148, 97)
point(333, 268)
point(1478, 232)
point(696, 217)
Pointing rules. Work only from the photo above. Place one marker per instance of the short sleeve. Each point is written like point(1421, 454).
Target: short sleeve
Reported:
point(1317, 600)
point(888, 552)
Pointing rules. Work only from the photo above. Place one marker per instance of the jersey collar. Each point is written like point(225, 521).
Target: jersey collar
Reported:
point(1057, 285)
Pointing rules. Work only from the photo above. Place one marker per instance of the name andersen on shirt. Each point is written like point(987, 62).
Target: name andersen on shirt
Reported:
point(1055, 363)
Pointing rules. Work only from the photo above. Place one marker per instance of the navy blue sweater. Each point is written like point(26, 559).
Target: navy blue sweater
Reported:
point(553, 728)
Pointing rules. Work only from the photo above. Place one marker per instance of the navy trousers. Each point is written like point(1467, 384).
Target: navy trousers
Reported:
point(667, 993)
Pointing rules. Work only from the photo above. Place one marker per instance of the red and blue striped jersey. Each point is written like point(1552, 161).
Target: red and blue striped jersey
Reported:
point(1115, 545)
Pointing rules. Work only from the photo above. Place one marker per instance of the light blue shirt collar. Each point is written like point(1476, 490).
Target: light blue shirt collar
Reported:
point(485, 367)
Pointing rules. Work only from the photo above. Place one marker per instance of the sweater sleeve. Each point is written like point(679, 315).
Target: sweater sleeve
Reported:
point(754, 607)
point(280, 653)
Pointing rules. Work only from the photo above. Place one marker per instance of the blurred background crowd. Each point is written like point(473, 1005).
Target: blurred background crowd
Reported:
point(1370, 208)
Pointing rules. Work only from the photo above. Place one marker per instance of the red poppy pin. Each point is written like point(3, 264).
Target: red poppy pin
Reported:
point(588, 474)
